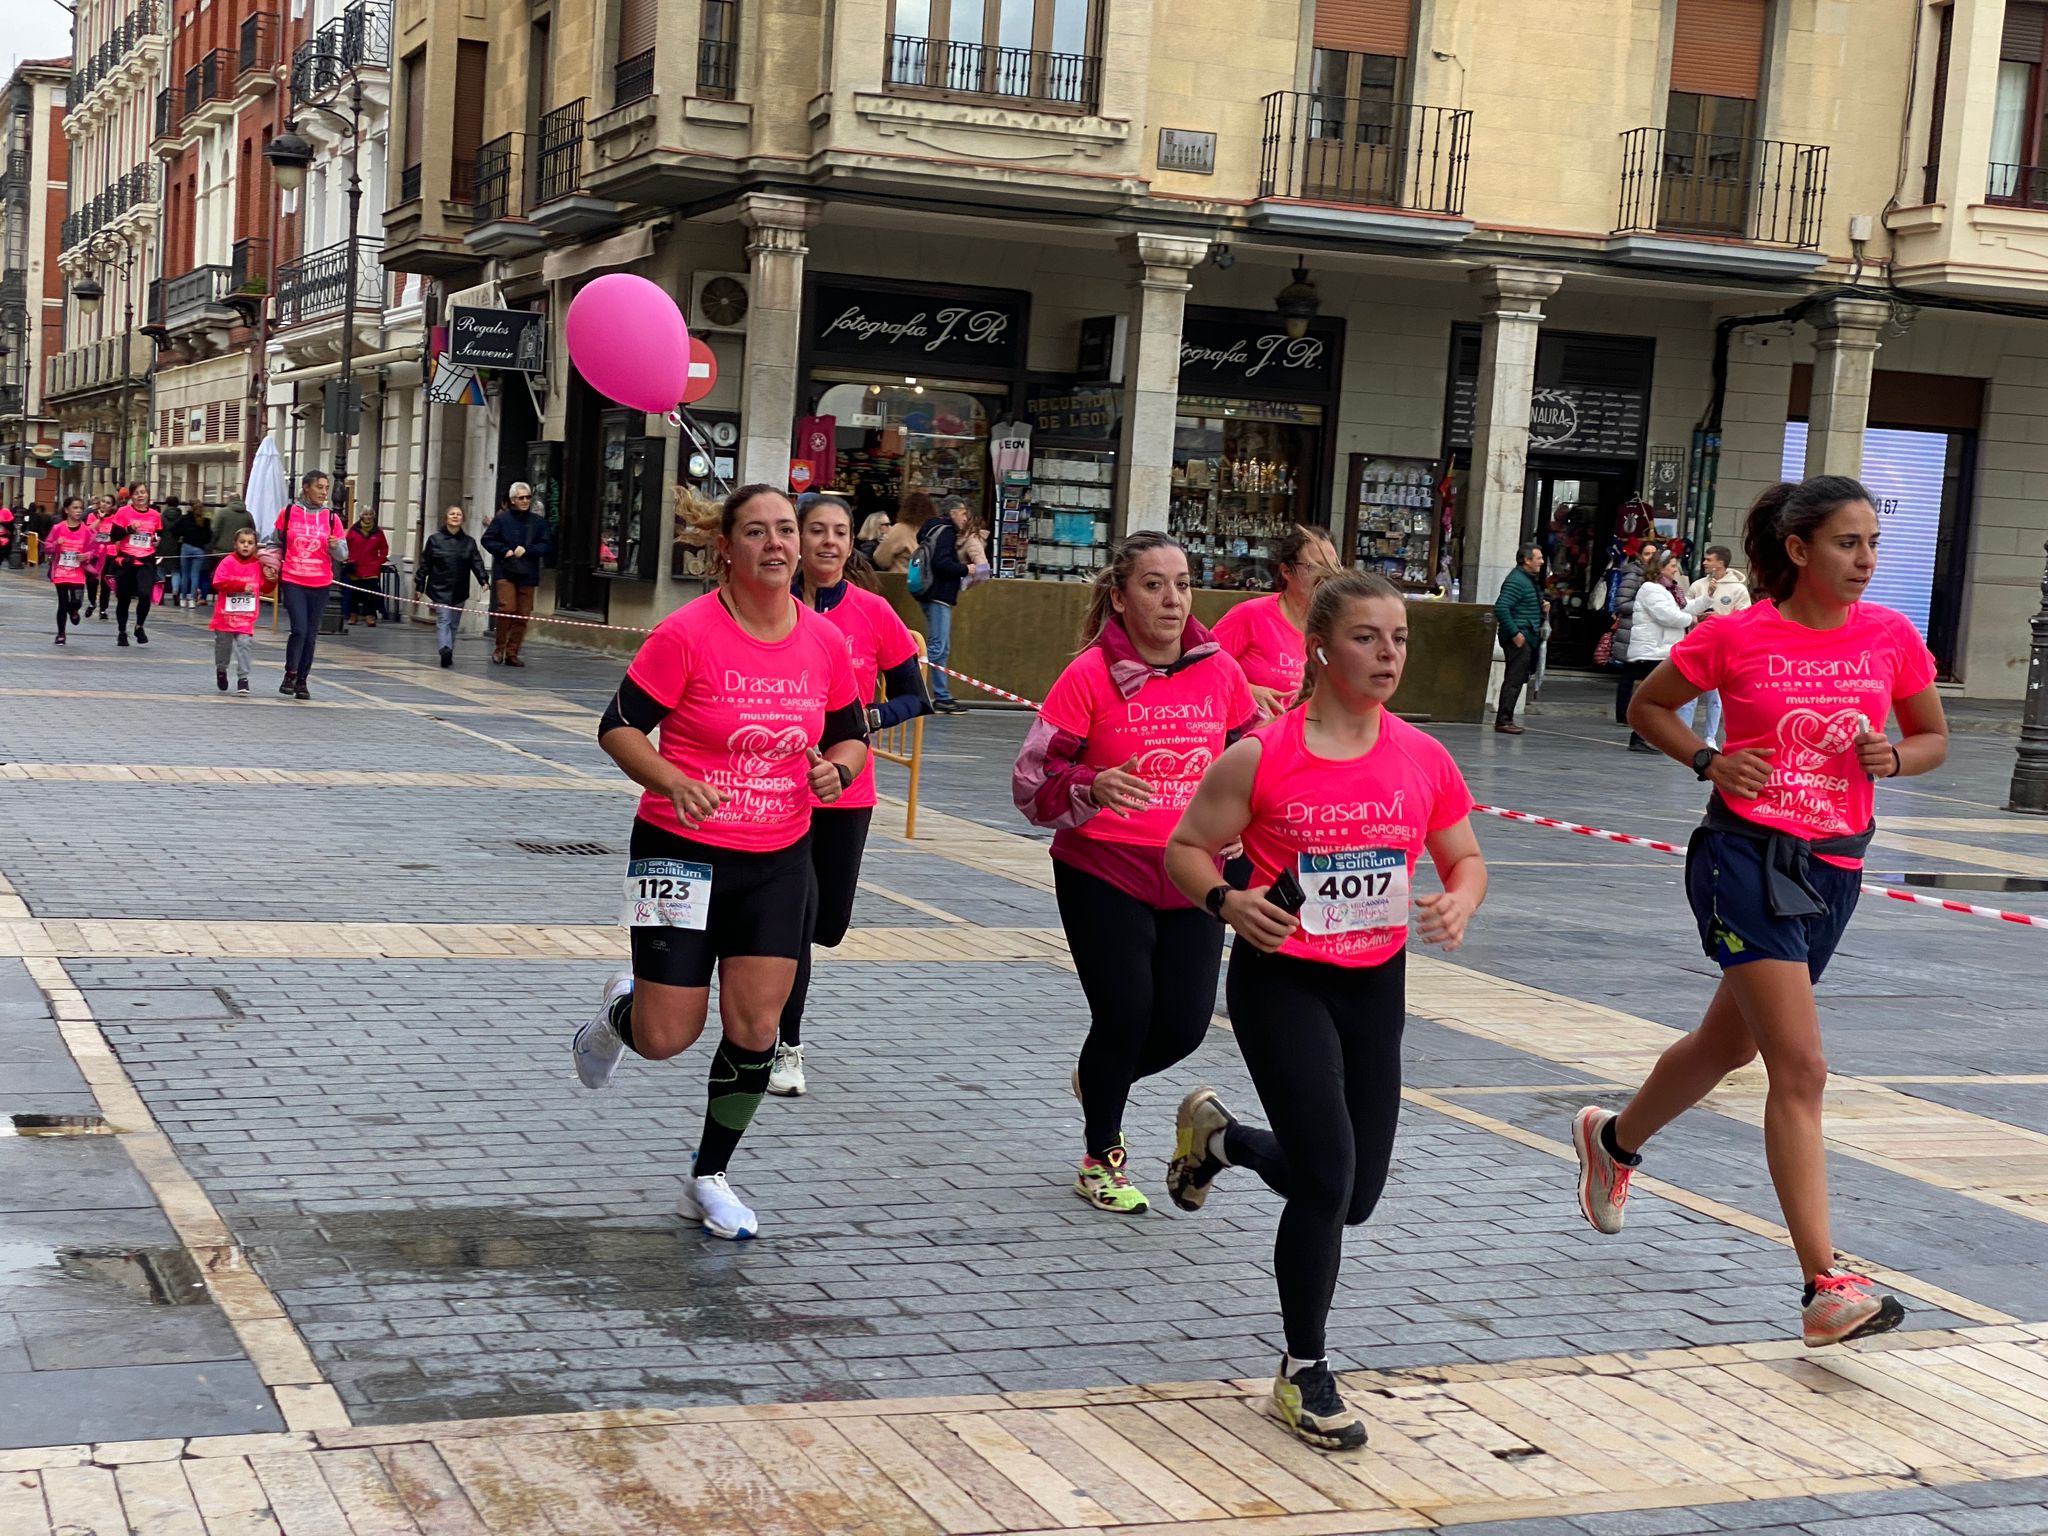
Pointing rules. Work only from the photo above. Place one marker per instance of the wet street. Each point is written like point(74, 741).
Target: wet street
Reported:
point(305, 1224)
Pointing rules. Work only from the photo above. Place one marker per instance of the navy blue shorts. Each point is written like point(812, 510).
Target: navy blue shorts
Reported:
point(1725, 884)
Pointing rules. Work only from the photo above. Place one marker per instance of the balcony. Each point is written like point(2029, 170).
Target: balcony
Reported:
point(13, 400)
point(1720, 203)
point(633, 79)
point(977, 71)
point(14, 177)
point(315, 286)
point(409, 184)
point(145, 22)
point(1371, 168)
point(249, 265)
point(13, 290)
point(359, 38)
point(256, 57)
point(560, 166)
point(209, 90)
point(97, 365)
point(499, 186)
point(2017, 186)
point(197, 297)
point(170, 112)
point(136, 189)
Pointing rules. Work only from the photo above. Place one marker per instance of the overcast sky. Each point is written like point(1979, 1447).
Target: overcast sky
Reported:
point(36, 29)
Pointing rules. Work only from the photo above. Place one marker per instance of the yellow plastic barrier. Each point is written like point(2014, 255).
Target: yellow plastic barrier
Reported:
point(904, 744)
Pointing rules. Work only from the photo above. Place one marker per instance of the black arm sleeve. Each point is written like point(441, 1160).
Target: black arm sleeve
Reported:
point(634, 706)
point(847, 723)
point(907, 699)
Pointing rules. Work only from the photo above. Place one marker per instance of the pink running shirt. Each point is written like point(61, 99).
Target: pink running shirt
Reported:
point(1175, 726)
point(1386, 803)
point(742, 713)
point(136, 534)
point(1806, 692)
point(69, 551)
point(876, 640)
point(1272, 651)
point(306, 531)
point(235, 604)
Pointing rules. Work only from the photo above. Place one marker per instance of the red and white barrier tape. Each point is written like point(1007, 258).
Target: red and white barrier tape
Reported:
point(496, 613)
point(1970, 909)
point(975, 682)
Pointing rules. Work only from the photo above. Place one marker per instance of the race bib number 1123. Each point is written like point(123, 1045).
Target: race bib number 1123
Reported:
point(1354, 891)
point(667, 893)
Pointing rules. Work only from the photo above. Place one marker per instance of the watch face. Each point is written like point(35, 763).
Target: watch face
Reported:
point(724, 434)
point(723, 301)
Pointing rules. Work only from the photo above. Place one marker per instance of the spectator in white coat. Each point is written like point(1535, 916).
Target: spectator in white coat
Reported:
point(1660, 623)
point(1721, 592)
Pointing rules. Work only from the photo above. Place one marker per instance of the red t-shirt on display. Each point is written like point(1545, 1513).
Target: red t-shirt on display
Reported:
point(742, 714)
point(1807, 693)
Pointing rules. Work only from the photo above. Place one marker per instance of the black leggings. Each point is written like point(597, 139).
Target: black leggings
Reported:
point(133, 584)
point(1150, 979)
point(838, 839)
point(69, 598)
point(1632, 672)
point(303, 607)
point(1323, 1046)
point(95, 592)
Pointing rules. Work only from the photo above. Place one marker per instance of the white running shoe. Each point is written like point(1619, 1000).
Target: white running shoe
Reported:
point(711, 1203)
point(597, 1046)
point(786, 1077)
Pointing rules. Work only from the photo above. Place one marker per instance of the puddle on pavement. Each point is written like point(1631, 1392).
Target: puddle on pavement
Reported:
point(160, 1277)
point(55, 1125)
point(2006, 884)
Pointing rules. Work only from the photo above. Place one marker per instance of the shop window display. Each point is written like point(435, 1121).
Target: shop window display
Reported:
point(910, 434)
point(1242, 473)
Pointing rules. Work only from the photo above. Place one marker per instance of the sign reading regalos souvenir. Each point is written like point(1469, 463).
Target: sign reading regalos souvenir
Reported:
point(1224, 352)
point(915, 331)
point(515, 339)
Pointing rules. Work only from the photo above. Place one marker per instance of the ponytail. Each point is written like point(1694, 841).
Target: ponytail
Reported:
point(1326, 608)
point(1791, 510)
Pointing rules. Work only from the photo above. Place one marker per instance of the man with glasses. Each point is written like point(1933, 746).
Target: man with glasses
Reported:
point(518, 541)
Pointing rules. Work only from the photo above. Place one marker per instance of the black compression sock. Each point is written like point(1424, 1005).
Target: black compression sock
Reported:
point(739, 1080)
point(622, 1018)
point(1626, 1159)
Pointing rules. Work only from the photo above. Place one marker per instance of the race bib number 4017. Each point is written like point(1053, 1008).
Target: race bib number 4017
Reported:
point(1354, 891)
point(667, 893)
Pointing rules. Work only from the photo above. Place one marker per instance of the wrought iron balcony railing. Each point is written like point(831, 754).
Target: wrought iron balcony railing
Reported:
point(315, 285)
point(138, 186)
point(977, 69)
point(86, 76)
point(560, 163)
point(359, 38)
point(2018, 186)
point(1756, 190)
point(14, 177)
point(718, 50)
point(211, 79)
point(191, 292)
point(409, 184)
point(13, 399)
point(249, 265)
point(170, 111)
point(1364, 152)
point(257, 52)
point(499, 181)
point(13, 290)
point(633, 79)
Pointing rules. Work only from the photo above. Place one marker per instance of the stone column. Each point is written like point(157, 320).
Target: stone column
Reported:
point(1159, 298)
point(1511, 318)
point(776, 225)
point(1844, 357)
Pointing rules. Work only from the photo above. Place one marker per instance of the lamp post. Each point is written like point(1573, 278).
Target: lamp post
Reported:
point(290, 155)
point(106, 251)
point(2030, 771)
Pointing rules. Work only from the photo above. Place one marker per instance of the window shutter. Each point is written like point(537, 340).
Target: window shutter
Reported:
point(415, 106)
point(1363, 26)
point(1717, 48)
point(636, 27)
point(213, 422)
point(1930, 181)
point(470, 86)
point(2024, 25)
point(231, 422)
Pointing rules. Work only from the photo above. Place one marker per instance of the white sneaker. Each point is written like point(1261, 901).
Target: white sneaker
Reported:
point(786, 1077)
point(597, 1046)
point(711, 1203)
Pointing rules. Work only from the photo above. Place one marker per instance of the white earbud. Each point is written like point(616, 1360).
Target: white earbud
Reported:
point(1322, 656)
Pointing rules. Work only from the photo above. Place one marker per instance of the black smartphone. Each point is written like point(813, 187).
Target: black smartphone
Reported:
point(1286, 893)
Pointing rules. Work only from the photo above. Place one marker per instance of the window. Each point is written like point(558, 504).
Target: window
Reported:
point(471, 84)
point(415, 69)
point(2018, 112)
point(1040, 49)
point(1717, 54)
point(633, 73)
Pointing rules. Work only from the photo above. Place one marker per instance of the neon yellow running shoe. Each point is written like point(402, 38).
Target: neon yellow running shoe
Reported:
point(1313, 1410)
point(1103, 1184)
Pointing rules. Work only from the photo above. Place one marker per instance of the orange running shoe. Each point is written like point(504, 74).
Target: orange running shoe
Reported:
point(1603, 1179)
point(1840, 1306)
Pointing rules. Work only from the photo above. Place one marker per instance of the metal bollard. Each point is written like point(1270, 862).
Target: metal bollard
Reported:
point(2030, 771)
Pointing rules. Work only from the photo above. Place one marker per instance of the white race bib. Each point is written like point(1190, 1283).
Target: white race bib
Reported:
point(239, 602)
point(70, 559)
point(1354, 891)
point(141, 543)
point(667, 893)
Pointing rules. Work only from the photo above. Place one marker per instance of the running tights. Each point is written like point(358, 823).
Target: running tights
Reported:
point(68, 600)
point(1323, 1046)
point(133, 584)
point(838, 839)
point(303, 607)
point(1150, 979)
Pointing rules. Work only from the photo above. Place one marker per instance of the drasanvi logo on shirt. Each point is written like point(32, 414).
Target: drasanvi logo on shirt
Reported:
point(757, 752)
point(1858, 665)
point(1303, 813)
point(795, 689)
point(1155, 714)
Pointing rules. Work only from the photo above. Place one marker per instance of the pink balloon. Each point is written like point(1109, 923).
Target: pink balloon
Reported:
point(627, 337)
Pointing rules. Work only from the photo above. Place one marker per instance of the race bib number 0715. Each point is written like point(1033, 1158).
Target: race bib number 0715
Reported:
point(1354, 891)
point(667, 893)
point(240, 602)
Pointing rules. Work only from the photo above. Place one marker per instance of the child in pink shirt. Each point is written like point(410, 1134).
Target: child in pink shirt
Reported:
point(237, 583)
point(69, 550)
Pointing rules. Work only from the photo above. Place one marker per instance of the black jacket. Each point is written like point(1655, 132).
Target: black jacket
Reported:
point(948, 569)
point(511, 529)
point(446, 565)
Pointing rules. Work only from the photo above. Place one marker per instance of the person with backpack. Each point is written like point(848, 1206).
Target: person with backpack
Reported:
point(300, 553)
point(934, 575)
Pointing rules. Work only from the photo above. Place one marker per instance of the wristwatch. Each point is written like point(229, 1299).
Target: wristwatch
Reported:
point(874, 720)
point(845, 777)
point(1702, 760)
point(1214, 901)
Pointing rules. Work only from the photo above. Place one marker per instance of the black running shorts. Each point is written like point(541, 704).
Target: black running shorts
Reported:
point(761, 904)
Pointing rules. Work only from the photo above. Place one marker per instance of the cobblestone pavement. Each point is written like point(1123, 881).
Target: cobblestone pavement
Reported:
point(336, 990)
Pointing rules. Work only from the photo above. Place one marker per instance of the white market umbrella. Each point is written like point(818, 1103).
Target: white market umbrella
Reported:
point(265, 495)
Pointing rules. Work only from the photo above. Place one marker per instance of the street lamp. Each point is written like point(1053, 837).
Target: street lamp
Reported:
point(88, 293)
point(107, 251)
point(290, 155)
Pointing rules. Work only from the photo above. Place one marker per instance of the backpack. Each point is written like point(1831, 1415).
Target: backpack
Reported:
point(917, 574)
